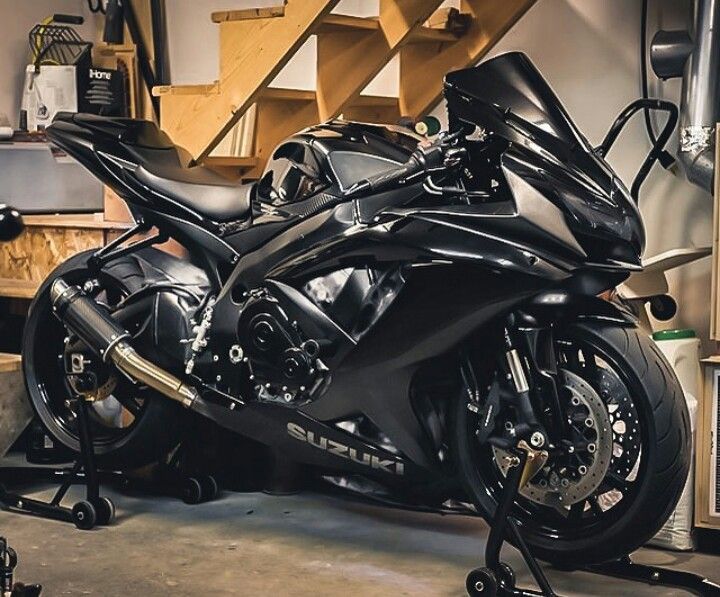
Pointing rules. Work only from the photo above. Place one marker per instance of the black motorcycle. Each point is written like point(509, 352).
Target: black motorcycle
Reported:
point(405, 316)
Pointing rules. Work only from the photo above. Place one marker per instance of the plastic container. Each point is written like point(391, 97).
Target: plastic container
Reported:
point(682, 350)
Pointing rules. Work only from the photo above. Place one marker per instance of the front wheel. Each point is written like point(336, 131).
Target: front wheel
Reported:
point(632, 431)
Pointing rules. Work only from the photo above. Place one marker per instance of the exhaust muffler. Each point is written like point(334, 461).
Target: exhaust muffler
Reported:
point(110, 341)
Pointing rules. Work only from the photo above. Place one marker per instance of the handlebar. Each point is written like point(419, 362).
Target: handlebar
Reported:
point(423, 160)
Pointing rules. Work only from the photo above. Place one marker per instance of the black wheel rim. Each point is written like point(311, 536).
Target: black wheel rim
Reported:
point(617, 493)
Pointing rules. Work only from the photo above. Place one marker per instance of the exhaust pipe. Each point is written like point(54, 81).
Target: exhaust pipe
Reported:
point(110, 341)
point(696, 57)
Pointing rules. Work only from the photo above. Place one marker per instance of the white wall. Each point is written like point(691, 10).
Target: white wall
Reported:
point(17, 17)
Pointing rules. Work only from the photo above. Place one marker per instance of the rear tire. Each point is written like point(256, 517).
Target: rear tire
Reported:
point(665, 423)
point(156, 429)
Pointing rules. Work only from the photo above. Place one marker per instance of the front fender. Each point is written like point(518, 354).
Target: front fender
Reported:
point(560, 305)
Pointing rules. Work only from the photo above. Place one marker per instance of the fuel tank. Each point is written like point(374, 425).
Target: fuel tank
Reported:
point(331, 157)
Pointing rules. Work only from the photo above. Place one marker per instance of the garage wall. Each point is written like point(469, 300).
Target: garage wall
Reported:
point(17, 17)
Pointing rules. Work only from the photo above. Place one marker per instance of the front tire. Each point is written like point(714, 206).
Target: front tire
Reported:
point(588, 534)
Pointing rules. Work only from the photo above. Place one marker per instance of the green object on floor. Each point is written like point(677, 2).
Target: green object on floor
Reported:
point(674, 334)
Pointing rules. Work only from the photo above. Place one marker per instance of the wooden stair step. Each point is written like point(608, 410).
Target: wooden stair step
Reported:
point(251, 54)
point(206, 89)
point(308, 95)
point(232, 167)
point(335, 23)
point(270, 93)
point(280, 93)
point(229, 161)
point(223, 16)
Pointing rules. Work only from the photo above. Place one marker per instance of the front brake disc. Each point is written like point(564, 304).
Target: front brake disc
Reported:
point(572, 477)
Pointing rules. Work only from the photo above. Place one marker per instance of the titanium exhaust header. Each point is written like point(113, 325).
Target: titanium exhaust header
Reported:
point(110, 341)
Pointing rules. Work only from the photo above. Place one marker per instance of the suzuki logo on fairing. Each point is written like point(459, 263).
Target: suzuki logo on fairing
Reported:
point(336, 448)
point(98, 74)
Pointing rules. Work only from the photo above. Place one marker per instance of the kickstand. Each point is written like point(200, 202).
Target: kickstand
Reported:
point(498, 578)
point(86, 514)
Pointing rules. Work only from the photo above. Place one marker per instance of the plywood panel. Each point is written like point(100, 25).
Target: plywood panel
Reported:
point(15, 411)
point(703, 445)
point(38, 250)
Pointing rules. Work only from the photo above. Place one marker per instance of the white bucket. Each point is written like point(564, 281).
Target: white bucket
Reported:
point(683, 353)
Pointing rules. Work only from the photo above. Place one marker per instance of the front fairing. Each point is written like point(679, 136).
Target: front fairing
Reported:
point(510, 105)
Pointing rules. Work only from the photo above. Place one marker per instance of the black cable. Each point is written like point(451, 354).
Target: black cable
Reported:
point(97, 7)
point(664, 158)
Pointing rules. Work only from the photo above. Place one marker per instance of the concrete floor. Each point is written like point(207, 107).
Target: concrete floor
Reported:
point(255, 544)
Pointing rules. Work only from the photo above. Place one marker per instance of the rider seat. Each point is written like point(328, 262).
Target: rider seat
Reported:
point(166, 168)
point(200, 189)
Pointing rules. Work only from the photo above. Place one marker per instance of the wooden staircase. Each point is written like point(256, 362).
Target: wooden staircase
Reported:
point(256, 44)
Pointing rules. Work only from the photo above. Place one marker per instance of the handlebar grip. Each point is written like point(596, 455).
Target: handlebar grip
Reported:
point(421, 160)
point(387, 179)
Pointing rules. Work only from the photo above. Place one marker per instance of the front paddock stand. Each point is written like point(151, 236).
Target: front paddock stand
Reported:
point(92, 511)
point(497, 579)
point(626, 569)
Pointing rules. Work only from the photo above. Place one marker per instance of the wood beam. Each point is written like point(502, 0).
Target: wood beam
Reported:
point(423, 66)
point(349, 57)
point(252, 53)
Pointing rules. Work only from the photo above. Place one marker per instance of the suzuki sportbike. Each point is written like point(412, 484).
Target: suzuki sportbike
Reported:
point(403, 315)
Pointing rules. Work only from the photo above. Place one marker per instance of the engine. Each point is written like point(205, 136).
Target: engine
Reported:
point(284, 362)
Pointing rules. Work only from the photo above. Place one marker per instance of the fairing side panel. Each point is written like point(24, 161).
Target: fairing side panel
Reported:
point(438, 308)
point(506, 100)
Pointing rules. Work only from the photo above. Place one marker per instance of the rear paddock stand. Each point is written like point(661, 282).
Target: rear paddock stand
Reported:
point(86, 514)
point(497, 579)
point(167, 479)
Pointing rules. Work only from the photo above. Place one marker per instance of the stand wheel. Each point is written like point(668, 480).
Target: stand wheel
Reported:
point(209, 488)
point(192, 491)
point(507, 575)
point(481, 582)
point(105, 510)
point(84, 515)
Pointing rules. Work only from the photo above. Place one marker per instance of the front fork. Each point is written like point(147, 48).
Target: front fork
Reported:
point(530, 368)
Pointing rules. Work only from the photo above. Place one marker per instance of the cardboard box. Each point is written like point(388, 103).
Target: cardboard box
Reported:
point(75, 88)
point(707, 455)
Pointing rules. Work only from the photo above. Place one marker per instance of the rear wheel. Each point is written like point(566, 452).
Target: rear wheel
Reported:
point(631, 426)
point(131, 426)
